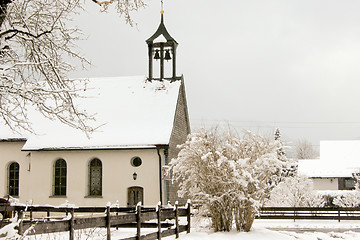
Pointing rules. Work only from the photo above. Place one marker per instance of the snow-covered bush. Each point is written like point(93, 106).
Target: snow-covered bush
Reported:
point(9, 231)
point(348, 199)
point(316, 200)
point(295, 191)
point(228, 174)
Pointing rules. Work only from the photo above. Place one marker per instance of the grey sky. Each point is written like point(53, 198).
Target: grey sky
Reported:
point(257, 64)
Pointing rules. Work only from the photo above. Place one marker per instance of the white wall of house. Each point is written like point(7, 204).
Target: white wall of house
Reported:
point(325, 183)
point(36, 175)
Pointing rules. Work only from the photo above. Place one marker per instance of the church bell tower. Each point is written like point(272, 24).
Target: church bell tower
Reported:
point(161, 46)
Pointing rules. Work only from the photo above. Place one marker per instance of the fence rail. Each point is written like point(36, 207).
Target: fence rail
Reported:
point(111, 217)
point(309, 213)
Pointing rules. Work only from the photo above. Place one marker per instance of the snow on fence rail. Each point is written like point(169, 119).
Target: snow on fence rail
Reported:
point(138, 217)
point(309, 213)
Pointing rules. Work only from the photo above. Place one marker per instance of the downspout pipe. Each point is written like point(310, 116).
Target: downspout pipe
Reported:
point(160, 173)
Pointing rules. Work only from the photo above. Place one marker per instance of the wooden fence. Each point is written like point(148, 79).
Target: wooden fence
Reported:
point(138, 217)
point(309, 213)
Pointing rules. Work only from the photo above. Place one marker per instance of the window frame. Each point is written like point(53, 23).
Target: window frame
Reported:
point(92, 192)
point(60, 176)
point(13, 183)
point(349, 183)
point(132, 161)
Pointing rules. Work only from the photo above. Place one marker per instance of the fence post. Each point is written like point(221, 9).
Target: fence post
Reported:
point(20, 218)
point(108, 224)
point(339, 215)
point(159, 219)
point(138, 221)
point(117, 214)
point(294, 214)
point(71, 224)
point(48, 215)
point(176, 220)
point(188, 216)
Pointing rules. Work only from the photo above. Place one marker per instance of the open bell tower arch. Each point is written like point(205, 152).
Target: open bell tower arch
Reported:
point(161, 46)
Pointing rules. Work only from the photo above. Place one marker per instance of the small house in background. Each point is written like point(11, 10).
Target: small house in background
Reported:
point(339, 160)
point(141, 121)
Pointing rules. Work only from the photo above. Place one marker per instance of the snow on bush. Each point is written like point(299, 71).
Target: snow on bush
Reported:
point(229, 175)
point(295, 191)
point(348, 199)
point(9, 231)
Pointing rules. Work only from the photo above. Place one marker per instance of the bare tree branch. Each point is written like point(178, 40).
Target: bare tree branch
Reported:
point(16, 31)
point(35, 40)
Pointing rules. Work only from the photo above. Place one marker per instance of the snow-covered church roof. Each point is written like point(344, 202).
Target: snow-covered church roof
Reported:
point(337, 159)
point(131, 113)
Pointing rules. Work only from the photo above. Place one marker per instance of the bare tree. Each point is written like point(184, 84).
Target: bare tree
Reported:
point(34, 41)
point(305, 150)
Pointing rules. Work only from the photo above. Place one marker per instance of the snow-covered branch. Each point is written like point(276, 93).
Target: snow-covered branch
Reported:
point(35, 40)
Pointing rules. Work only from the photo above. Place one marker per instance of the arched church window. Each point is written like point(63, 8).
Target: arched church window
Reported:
point(95, 177)
point(60, 172)
point(13, 179)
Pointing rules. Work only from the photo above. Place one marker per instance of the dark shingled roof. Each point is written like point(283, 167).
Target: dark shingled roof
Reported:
point(161, 30)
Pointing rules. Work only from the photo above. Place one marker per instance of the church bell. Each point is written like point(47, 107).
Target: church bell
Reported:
point(157, 55)
point(167, 55)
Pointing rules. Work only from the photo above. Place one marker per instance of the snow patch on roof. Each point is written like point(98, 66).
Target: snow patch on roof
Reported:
point(320, 168)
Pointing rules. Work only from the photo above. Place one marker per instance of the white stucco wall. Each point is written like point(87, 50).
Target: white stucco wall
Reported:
point(36, 175)
point(325, 183)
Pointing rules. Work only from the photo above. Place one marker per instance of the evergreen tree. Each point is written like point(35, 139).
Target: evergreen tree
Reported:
point(289, 167)
point(280, 151)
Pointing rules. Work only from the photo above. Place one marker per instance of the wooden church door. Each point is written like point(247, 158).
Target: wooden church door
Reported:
point(135, 195)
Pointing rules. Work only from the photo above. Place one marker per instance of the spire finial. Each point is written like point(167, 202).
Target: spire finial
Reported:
point(162, 7)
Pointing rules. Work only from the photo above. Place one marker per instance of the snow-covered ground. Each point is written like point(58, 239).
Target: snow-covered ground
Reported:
point(262, 230)
point(265, 234)
point(284, 230)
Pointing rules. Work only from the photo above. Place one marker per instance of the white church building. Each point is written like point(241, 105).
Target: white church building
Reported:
point(141, 122)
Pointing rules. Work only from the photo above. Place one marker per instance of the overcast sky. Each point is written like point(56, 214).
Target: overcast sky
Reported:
point(256, 64)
